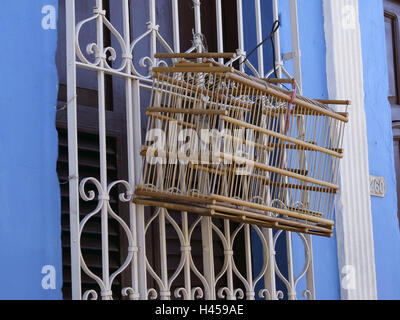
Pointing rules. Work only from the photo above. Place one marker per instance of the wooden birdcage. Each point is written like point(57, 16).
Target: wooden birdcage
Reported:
point(224, 144)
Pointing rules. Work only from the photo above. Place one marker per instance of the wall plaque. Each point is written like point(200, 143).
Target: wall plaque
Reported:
point(377, 186)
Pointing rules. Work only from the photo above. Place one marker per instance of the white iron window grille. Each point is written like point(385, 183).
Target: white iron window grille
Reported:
point(117, 52)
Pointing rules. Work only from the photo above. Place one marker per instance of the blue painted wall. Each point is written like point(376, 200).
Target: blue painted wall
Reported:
point(380, 145)
point(29, 190)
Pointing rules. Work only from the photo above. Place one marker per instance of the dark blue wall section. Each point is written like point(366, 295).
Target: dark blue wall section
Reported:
point(30, 225)
point(380, 148)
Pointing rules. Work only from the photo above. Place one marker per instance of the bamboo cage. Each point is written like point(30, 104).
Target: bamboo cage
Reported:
point(223, 144)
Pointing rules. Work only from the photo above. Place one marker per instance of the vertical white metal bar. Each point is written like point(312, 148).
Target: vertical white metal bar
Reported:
point(208, 256)
point(249, 265)
point(164, 294)
point(310, 270)
point(163, 255)
point(73, 151)
point(269, 278)
point(206, 223)
point(197, 25)
point(197, 16)
point(241, 52)
point(130, 146)
point(220, 46)
point(260, 50)
point(153, 36)
point(220, 36)
point(140, 218)
point(229, 256)
point(277, 40)
point(175, 25)
point(294, 23)
point(240, 24)
point(103, 155)
point(137, 136)
point(185, 225)
point(289, 253)
point(186, 251)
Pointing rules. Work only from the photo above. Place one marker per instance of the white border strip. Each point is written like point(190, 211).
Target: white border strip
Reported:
point(353, 209)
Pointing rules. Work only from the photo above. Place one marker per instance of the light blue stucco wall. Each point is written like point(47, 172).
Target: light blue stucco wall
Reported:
point(30, 227)
point(380, 145)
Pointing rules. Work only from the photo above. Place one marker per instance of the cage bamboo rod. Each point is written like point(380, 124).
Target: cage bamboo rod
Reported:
point(174, 206)
point(297, 111)
point(230, 170)
point(192, 65)
point(279, 81)
point(283, 212)
point(202, 69)
point(269, 219)
point(161, 117)
point(195, 55)
point(187, 111)
point(336, 102)
point(302, 229)
point(283, 137)
point(148, 192)
point(286, 97)
point(179, 83)
point(303, 187)
point(297, 147)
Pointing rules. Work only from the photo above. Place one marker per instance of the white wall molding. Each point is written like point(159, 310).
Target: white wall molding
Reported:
point(353, 208)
